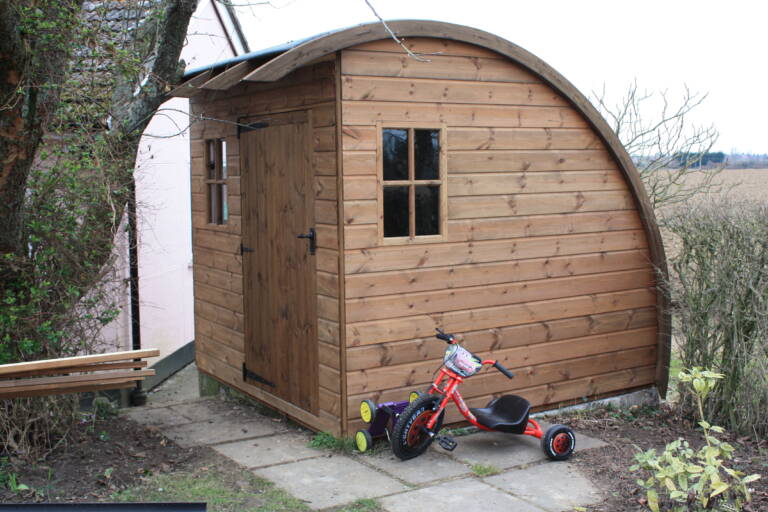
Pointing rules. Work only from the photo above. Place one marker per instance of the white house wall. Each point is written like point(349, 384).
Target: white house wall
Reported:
point(163, 197)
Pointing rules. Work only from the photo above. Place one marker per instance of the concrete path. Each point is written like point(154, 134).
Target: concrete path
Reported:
point(523, 480)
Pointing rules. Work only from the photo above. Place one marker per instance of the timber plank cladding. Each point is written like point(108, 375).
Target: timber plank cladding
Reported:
point(474, 190)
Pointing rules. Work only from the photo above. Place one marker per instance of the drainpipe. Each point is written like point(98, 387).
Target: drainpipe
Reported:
point(138, 396)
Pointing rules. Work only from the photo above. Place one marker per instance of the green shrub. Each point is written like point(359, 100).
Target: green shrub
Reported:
point(719, 288)
point(682, 479)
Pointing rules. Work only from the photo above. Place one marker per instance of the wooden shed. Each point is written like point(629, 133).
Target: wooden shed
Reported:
point(472, 188)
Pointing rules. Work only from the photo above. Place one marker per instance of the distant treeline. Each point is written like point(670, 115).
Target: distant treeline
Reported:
point(712, 159)
point(747, 161)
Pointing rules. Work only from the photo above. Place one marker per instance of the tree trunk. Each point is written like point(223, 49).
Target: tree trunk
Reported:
point(31, 72)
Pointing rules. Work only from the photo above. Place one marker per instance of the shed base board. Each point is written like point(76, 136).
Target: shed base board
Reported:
point(646, 396)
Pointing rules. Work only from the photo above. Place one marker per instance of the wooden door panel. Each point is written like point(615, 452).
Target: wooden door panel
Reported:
point(279, 275)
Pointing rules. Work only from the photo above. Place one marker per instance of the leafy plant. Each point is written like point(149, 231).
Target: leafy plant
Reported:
point(104, 408)
point(683, 479)
point(14, 486)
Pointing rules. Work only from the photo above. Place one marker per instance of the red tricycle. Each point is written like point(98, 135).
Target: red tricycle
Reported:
point(416, 422)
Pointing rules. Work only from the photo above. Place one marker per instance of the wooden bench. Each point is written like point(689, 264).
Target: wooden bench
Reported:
point(99, 372)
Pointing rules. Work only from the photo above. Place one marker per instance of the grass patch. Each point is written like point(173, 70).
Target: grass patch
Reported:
point(483, 470)
point(247, 494)
point(327, 441)
point(362, 505)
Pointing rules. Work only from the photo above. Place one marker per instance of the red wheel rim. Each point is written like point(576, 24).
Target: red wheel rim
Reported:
point(561, 443)
point(415, 433)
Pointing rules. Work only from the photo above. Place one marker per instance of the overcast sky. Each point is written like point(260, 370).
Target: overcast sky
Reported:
point(719, 48)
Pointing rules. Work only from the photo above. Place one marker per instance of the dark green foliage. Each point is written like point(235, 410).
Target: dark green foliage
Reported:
point(695, 159)
point(81, 78)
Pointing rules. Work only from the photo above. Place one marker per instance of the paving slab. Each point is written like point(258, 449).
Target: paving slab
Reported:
point(428, 467)
point(180, 387)
point(211, 409)
point(552, 486)
point(498, 449)
point(158, 416)
point(330, 481)
point(468, 495)
point(267, 451)
point(509, 450)
point(218, 431)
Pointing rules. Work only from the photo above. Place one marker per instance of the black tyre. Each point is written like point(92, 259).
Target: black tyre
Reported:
point(408, 437)
point(559, 442)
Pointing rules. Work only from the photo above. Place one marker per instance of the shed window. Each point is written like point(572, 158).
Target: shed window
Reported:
point(216, 181)
point(412, 174)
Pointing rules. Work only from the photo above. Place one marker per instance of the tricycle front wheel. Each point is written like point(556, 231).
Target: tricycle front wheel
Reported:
point(409, 438)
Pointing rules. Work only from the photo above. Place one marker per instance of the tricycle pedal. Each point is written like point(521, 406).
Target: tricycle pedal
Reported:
point(446, 442)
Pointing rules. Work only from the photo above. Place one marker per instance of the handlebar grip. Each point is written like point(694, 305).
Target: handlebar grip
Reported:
point(448, 338)
point(503, 370)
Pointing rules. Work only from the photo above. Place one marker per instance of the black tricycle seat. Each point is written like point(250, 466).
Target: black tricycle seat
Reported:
point(508, 413)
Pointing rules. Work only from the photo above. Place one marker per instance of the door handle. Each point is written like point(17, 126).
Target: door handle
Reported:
point(312, 237)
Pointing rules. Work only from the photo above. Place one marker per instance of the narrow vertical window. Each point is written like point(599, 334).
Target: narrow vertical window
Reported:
point(412, 176)
point(216, 181)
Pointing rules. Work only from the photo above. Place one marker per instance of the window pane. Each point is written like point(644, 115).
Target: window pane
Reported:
point(211, 153)
point(395, 147)
point(224, 205)
point(396, 211)
point(223, 159)
point(427, 154)
point(428, 210)
point(213, 206)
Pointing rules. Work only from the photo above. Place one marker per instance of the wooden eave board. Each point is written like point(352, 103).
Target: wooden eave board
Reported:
point(191, 86)
point(230, 77)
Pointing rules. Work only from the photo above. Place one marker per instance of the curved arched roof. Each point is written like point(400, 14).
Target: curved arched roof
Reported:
point(273, 64)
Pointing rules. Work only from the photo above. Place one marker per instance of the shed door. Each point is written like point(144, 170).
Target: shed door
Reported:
point(279, 272)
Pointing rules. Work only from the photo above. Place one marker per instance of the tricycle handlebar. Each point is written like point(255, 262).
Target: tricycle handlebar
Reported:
point(448, 338)
point(503, 370)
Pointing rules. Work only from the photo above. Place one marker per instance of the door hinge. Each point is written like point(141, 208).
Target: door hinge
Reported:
point(242, 128)
point(244, 249)
point(248, 374)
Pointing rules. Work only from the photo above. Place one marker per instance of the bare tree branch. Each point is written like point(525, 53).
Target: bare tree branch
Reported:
point(665, 146)
point(417, 56)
